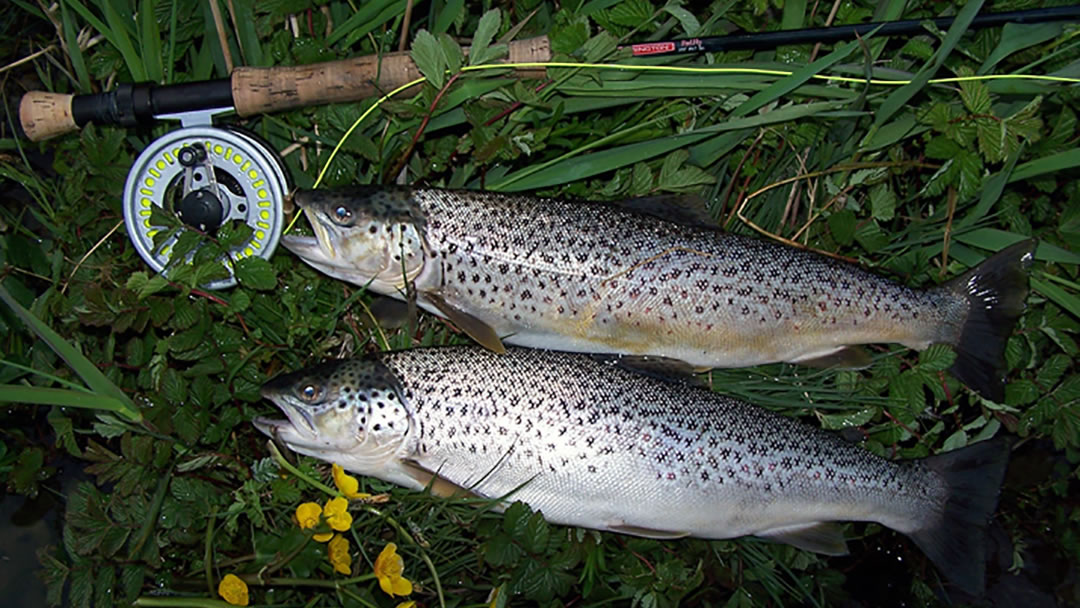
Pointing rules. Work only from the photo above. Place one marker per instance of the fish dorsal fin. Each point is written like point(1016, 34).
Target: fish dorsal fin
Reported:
point(847, 357)
point(646, 532)
point(475, 328)
point(661, 368)
point(686, 209)
point(438, 486)
point(820, 537)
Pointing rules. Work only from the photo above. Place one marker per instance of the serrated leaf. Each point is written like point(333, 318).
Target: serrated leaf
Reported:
point(631, 13)
point(882, 202)
point(453, 54)
point(842, 226)
point(938, 357)
point(82, 587)
point(975, 95)
point(427, 54)
point(1021, 392)
point(256, 273)
point(501, 550)
point(479, 52)
point(847, 419)
point(1052, 370)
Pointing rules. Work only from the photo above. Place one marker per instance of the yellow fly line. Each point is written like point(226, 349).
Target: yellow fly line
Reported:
point(673, 69)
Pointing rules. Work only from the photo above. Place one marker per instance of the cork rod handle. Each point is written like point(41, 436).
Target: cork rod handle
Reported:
point(44, 115)
point(258, 90)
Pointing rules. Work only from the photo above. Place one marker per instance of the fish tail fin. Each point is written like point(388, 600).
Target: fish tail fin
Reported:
point(995, 291)
point(956, 541)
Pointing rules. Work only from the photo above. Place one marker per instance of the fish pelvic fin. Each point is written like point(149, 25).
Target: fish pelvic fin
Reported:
point(955, 540)
point(826, 538)
point(995, 291)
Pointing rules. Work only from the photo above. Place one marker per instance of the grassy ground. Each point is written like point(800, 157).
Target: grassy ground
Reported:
point(917, 181)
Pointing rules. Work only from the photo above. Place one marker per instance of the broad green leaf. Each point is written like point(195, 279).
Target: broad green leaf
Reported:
point(485, 33)
point(1016, 37)
point(847, 419)
point(256, 273)
point(427, 54)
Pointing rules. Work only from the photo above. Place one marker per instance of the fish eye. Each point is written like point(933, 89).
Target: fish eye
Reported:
point(310, 392)
point(342, 214)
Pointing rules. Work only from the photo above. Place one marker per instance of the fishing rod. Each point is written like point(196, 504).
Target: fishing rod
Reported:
point(249, 91)
point(205, 176)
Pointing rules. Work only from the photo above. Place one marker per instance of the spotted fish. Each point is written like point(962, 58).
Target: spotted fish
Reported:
point(594, 277)
point(592, 444)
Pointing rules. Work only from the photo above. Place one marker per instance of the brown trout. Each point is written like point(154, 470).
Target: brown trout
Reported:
point(595, 277)
point(591, 444)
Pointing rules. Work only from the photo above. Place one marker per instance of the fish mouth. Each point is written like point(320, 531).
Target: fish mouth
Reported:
point(301, 421)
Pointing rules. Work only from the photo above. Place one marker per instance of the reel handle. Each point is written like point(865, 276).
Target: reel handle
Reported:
point(249, 90)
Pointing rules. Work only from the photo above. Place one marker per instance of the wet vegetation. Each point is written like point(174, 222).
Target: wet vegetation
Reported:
point(142, 392)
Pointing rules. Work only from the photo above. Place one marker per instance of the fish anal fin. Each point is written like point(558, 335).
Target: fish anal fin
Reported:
point(438, 486)
point(662, 368)
point(847, 357)
point(646, 532)
point(475, 328)
point(826, 538)
point(686, 209)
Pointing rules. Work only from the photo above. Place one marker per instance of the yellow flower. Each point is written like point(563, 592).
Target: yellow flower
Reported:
point(347, 484)
point(408, 604)
point(337, 514)
point(388, 569)
point(234, 590)
point(338, 552)
point(309, 515)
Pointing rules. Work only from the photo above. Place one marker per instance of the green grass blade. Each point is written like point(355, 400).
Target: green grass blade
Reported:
point(123, 42)
point(996, 240)
point(789, 83)
point(78, 62)
point(1016, 37)
point(899, 98)
point(447, 15)
point(1057, 295)
point(85, 368)
point(38, 395)
point(370, 16)
point(246, 35)
point(1048, 164)
point(150, 42)
point(571, 167)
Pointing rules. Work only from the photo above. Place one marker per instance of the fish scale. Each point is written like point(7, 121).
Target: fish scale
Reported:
point(594, 277)
point(589, 443)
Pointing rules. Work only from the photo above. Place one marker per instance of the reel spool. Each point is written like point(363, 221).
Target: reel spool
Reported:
point(206, 176)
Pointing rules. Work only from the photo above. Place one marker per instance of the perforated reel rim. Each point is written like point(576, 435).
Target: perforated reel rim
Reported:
point(245, 157)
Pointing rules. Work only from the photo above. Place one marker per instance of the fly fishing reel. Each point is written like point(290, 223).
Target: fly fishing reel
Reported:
point(201, 177)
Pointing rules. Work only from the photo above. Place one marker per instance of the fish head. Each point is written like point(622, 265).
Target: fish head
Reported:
point(365, 235)
point(351, 411)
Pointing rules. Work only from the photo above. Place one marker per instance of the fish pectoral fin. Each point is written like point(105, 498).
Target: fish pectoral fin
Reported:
point(846, 357)
point(646, 532)
point(662, 368)
point(820, 537)
point(389, 313)
point(475, 328)
point(438, 486)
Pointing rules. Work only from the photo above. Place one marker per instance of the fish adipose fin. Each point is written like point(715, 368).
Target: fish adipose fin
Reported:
point(848, 357)
point(995, 291)
point(821, 537)
point(956, 540)
point(475, 328)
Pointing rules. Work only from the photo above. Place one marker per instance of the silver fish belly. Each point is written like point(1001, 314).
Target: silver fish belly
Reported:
point(592, 277)
point(591, 444)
